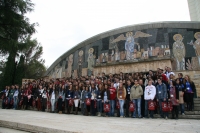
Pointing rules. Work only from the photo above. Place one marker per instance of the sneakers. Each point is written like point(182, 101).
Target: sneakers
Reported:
point(183, 114)
point(121, 116)
point(166, 118)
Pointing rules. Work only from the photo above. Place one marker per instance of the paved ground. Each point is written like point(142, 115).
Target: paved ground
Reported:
point(7, 130)
point(34, 120)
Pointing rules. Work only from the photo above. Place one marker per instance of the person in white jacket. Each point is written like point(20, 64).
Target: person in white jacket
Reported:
point(149, 94)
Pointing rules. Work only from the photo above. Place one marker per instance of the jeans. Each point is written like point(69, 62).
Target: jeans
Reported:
point(148, 111)
point(162, 114)
point(99, 106)
point(137, 103)
point(121, 110)
point(182, 107)
point(112, 107)
point(52, 104)
point(92, 108)
point(15, 102)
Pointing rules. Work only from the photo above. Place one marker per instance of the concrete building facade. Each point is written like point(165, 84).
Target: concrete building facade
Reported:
point(194, 9)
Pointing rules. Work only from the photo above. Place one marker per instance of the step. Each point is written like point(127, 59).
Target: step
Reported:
point(196, 102)
point(196, 99)
point(181, 116)
point(192, 112)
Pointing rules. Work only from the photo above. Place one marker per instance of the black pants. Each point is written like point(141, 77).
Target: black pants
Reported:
point(92, 108)
point(59, 104)
point(127, 107)
point(25, 102)
point(44, 104)
point(189, 100)
point(175, 111)
point(142, 107)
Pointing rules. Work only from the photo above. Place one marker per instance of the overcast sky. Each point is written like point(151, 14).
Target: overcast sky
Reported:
point(65, 23)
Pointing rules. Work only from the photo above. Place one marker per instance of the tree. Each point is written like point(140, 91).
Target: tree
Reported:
point(15, 34)
point(34, 65)
point(14, 25)
point(8, 76)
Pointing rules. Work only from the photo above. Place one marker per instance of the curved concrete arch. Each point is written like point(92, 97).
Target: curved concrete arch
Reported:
point(136, 27)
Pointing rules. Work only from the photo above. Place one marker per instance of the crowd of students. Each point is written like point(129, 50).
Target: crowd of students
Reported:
point(133, 95)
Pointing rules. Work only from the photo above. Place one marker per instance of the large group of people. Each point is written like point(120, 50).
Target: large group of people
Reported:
point(136, 95)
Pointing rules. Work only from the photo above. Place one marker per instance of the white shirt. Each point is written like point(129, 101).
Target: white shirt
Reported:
point(168, 74)
point(150, 92)
point(116, 85)
point(53, 95)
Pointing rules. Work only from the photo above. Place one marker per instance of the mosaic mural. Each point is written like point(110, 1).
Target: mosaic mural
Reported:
point(180, 45)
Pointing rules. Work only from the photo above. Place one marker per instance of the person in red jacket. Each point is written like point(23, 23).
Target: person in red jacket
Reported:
point(113, 93)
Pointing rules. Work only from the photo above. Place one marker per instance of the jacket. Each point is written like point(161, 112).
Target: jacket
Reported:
point(136, 92)
point(161, 91)
point(150, 92)
point(121, 93)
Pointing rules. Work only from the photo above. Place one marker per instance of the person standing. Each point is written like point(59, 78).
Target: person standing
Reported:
point(142, 98)
point(161, 96)
point(76, 97)
point(15, 96)
point(112, 96)
point(100, 98)
point(128, 92)
point(121, 95)
point(53, 97)
point(180, 88)
point(149, 94)
point(189, 92)
point(93, 100)
point(106, 96)
point(135, 96)
point(174, 98)
point(82, 100)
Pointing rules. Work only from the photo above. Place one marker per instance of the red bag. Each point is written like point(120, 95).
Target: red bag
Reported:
point(33, 103)
point(165, 107)
point(170, 107)
point(117, 104)
point(6, 101)
point(106, 107)
point(71, 102)
point(88, 101)
point(11, 102)
point(95, 104)
point(151, 105)
point(21, 102)
point(131, 107)
point(48, 104)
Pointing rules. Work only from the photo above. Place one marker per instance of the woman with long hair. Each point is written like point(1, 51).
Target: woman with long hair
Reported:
point(87, 95)
point(121, 95)
point(189, 92)
point(99, 98)
point(76, 97)
point(69, 96)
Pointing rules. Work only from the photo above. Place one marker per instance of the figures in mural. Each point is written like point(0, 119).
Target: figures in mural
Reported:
point(80, 62)
point(90, 59)
point(179, 51)
point(130, 44)
point(69, 68)
point(117, 55)
point(196, 45)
